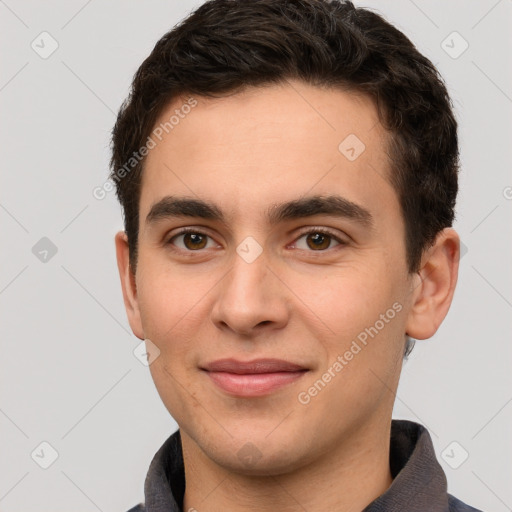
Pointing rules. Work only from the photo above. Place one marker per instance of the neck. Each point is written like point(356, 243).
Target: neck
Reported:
point(345, 479)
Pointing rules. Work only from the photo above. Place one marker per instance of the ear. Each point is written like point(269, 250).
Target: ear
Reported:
point(434, 285)
point(128, 284)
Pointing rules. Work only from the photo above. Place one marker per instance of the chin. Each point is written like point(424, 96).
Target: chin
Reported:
point(258, 453)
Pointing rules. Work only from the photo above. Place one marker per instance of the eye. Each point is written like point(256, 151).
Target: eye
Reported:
point(318, 240)
point(191, 240)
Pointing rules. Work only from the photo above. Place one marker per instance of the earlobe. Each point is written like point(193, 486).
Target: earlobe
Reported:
point(433, 292)
point(128, 284)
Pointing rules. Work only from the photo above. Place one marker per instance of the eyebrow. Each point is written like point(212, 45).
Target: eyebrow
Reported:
point(332, 205)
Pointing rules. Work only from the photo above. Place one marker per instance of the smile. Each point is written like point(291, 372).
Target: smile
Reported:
point(253, 384)
point(253, 378)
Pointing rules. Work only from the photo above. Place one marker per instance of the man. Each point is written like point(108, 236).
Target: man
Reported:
point(288, 175)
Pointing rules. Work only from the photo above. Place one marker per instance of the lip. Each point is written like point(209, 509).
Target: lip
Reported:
point(253, 378)
point(252, 367)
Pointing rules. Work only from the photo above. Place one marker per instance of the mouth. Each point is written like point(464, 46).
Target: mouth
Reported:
point(253, 378)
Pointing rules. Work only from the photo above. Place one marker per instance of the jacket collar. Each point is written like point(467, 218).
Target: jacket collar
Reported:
point(419, 482)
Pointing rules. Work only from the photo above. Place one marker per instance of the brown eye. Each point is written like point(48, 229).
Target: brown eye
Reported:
point(191, 241)
point(194, 241)
point(316, 240)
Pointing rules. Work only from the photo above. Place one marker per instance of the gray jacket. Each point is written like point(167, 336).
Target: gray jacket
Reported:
point(419, 483)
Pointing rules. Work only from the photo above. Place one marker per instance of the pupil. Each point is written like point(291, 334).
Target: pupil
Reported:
point(319, 241)
point(194, 239)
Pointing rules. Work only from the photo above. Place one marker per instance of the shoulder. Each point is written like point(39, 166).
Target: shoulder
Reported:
point(456, 505)
point(138, 508)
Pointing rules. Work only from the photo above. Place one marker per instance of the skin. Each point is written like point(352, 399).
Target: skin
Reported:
point(245, 152)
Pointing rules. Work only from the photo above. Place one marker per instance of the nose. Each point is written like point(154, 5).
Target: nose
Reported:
point(251, 298)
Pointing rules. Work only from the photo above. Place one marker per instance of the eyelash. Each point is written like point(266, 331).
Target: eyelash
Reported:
point(322, 231)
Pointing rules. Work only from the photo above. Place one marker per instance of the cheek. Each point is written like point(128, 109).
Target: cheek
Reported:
point(170, 317)
point(174, 306)
point(344, 296)
point(361, 306)
point(164, 295)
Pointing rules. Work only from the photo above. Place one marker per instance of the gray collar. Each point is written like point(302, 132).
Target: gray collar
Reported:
point(419, 483)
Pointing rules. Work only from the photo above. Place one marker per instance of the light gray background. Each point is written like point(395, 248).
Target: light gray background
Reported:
point(68, 373)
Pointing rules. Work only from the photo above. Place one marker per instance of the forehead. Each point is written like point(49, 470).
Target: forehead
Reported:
point(267, 145)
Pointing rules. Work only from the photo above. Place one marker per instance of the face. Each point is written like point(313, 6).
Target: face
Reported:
point(297, 255)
